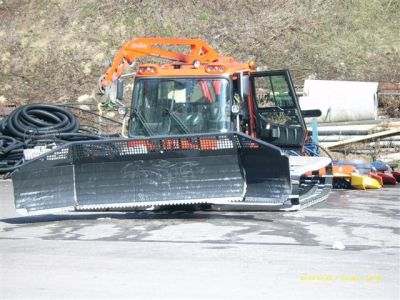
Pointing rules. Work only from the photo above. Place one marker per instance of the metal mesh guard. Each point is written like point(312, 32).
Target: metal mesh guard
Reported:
point(112, 149)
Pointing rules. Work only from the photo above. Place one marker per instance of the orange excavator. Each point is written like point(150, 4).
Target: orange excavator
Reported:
point(204, 130)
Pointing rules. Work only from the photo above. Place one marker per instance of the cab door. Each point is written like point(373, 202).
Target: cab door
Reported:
point(277, 114)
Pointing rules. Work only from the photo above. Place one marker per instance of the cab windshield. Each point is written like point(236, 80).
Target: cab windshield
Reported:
point(180, 106)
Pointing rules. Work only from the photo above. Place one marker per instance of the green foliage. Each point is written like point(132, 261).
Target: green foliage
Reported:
point(204, 16)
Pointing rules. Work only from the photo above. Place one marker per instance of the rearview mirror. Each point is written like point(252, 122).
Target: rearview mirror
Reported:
point(311, 113)
point(120, 89)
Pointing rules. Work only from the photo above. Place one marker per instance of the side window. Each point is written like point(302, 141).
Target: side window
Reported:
point(272, 91)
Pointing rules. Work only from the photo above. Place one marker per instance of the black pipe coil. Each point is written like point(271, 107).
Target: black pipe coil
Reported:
point(36, 124)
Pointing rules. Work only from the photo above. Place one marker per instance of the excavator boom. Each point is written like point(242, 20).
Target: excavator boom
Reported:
point(142, 47)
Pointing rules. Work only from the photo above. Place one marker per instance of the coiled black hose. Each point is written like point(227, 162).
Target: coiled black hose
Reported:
point(38, 120)
point(11, 153)
point(34, 124)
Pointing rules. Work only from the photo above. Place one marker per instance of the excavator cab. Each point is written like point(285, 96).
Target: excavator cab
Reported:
point(170, 106)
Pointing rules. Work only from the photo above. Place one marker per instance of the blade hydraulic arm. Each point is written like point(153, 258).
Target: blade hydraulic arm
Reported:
point(142, 47)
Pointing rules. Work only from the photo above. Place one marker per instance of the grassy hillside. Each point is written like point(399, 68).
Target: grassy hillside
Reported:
point(56, 50)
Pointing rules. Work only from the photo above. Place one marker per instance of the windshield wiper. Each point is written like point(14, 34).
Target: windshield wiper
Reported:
point(178, 121)
point(142, 120)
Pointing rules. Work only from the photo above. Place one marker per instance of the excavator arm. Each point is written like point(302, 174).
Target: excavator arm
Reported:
point(141, 47)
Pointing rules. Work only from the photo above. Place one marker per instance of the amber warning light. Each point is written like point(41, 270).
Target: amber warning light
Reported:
point(215, 69)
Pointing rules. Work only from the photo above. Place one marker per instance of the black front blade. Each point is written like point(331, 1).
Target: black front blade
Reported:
point(44, 188)
point(159, 180)
point(267, 171)
point(128, 173)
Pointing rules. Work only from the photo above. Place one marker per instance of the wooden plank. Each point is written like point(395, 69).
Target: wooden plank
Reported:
point(390, 132)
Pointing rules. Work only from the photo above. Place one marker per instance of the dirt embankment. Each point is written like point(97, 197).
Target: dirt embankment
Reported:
point(54, 51)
